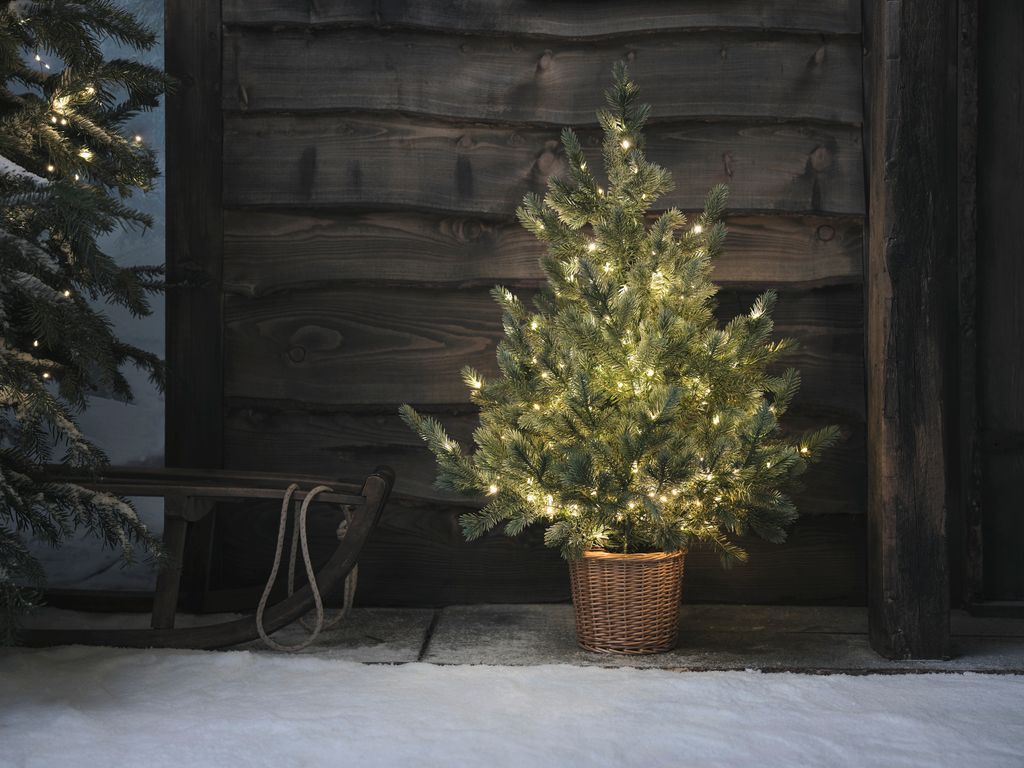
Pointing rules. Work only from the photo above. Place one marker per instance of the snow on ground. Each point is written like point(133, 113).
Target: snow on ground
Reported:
point(100, 706)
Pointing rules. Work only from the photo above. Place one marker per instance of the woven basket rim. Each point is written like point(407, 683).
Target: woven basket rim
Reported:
point(598, 554)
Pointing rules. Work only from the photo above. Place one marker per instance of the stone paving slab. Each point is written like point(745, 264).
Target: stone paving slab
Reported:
point(372, 635)
point(711, 638)
point(368, 635)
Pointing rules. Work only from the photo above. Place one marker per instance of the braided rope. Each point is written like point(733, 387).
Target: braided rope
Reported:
point(300, 539)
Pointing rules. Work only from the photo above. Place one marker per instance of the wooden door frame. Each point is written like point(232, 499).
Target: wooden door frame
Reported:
point(194, 395)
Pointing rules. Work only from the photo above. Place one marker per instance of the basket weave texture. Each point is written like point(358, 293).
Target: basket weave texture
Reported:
point(627, 603)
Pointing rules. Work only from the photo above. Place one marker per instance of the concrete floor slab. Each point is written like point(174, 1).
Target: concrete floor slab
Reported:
point(771, 638)
point(372, 635)
point(368, 635)
point(711, 637)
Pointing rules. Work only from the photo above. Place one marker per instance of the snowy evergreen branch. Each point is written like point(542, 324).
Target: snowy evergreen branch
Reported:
point(66, 165)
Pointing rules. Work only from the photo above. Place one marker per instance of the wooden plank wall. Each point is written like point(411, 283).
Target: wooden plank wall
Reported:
point(374, 154)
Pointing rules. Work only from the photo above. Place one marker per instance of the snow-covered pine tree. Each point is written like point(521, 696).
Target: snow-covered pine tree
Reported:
point(66, 165)
point(625, 418)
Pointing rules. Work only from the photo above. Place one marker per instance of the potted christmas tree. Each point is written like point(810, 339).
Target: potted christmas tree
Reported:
point(625, 419)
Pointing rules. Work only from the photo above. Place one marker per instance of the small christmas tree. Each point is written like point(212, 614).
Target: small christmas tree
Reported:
point(625, 418)
point(66, 162)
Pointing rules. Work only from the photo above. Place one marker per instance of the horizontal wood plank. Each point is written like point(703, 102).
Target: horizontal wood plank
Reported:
point(386, 346)
point(712, 75)
point(266, 252)
point(367, 162)
point(262, 437)
point(560, 18)
point(417, 556)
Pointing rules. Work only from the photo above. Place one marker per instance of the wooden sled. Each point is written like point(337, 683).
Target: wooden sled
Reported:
point(189, 496)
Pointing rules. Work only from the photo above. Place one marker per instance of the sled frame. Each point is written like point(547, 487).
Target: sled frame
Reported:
point(189, 496)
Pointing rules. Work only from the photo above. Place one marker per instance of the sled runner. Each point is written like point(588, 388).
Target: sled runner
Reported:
point(189, 496)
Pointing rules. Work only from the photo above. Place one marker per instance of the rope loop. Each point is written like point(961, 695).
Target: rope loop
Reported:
point(300, 541)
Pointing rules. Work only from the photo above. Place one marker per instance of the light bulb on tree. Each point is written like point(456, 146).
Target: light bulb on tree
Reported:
point(57, 240)
point(641, 360)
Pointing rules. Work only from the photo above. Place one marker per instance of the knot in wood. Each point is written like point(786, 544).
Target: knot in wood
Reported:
point(820, 159)
point(470, 230)
point(297, 354)
point(545, 61)
point(826, 233)
point(546, 162)
point(254, 416)
point(727, 163)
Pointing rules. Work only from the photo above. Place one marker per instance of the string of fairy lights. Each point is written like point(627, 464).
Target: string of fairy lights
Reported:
point(688, 493)
point(693, 493)
point(60, 108)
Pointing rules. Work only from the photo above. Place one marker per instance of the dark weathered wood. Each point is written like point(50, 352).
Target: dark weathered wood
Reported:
point(542, 82)
point(195, 569)
point(560, 18)
point(965, 534)
point(194, 235)
point(193, 490)
point(165, 599)
point(367, 162)
point(417, 556)
point(266, 252)
point(194, 240)
point(1003, 526)
point(910, 260)
point(100, 600)
point(260, 435)
point(387, 346)
point(999, 280)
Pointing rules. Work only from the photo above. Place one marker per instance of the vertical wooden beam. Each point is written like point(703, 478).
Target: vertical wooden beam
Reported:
point(194, 235)
point(168, 581)
point(966, 559)
point(911, 262)
point(194, 396)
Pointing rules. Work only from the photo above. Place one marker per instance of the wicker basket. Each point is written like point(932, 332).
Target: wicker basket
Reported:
point(627, 603)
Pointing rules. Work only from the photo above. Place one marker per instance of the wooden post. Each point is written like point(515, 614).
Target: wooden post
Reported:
point(168, 581)
point(965, 528)
point(910, 314)
point(194, 419)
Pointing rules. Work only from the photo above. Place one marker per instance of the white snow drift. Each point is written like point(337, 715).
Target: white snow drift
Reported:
point(98, 706)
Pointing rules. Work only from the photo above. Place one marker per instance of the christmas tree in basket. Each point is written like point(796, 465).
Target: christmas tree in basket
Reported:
point(625, 418)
